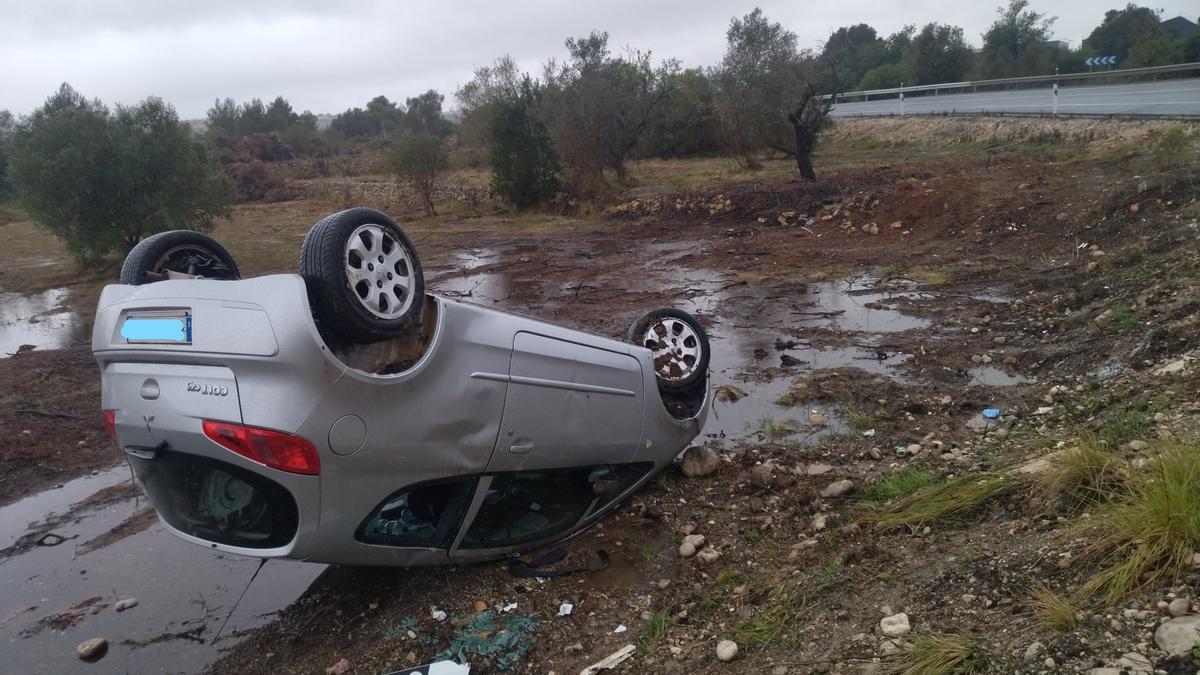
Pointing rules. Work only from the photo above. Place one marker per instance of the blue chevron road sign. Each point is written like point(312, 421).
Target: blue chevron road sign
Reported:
point(1101, 61)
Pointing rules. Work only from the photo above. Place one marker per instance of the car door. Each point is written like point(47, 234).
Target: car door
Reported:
point(568, 404)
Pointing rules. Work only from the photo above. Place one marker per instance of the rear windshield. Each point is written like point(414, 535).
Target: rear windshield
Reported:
point(216, 501)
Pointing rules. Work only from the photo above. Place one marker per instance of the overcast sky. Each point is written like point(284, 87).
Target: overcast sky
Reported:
point(328, 55)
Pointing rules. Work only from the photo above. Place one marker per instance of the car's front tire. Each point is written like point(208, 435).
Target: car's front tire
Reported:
point(363, 275)
point(679, 345)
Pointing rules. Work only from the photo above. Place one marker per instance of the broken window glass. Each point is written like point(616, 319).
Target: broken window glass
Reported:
point(525, 507)
point(426, 515)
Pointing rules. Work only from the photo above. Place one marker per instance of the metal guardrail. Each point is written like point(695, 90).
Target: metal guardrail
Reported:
point(1032, 79)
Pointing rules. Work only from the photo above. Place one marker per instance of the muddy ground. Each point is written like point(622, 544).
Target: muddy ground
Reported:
point(860, 324)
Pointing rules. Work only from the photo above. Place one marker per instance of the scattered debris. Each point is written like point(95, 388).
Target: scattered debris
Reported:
point(611, 661)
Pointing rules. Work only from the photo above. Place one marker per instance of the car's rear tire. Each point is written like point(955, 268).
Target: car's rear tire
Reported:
point(680, 347)
point(181, 251)
point(363, 275)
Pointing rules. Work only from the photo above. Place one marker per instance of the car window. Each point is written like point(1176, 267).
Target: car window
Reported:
point(524, 507)
point(425, 515)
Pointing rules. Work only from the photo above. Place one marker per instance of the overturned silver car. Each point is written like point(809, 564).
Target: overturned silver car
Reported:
point(344, 415)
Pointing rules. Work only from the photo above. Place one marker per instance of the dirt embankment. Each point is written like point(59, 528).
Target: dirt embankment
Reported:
point(50, 420)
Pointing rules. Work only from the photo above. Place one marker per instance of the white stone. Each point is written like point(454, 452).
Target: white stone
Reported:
point(125, 603)
point(686, 550)
point(1179, 606)
point(1032, 651)
point(727, 650)
point(838, 488)
point(895, 625)
point(1177, 636)
point(708, 555)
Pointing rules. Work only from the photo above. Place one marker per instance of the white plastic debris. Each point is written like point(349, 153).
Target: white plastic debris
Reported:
point(438, 615)
point(621, 629)
point(565, 609)
point(509, 607)
point(609, 662)
point(869, 433)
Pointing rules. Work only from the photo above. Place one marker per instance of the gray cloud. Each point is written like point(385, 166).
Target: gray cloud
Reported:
point(327, 56)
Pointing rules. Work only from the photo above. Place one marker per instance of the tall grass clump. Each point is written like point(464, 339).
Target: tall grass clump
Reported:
point(1151, 530)
point(948, 500)
point(938, 655)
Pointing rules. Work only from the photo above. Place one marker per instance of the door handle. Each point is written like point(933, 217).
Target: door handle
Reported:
point(521, 446)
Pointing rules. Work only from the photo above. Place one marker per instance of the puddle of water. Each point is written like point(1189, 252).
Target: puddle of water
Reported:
point(37, 319)
point(991, 376)
point(754, 318)
point(184, 592)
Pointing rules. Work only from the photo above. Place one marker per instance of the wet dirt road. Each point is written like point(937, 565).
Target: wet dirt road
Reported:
point(60, 592)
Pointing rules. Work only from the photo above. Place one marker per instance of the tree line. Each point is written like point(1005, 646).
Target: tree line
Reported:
point(103, 177)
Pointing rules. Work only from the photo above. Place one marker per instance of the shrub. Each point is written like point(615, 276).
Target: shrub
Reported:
point(102, 181)
point(419, 159)
point(256, 183)
point(524, 163)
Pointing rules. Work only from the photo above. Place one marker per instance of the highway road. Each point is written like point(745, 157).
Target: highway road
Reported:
point(1168, 97)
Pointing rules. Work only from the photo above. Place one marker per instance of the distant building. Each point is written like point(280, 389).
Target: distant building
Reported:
point(1180, 27)
point(1064, 45)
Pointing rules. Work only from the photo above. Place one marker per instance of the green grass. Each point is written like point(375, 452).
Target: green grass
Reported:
point(647, 553)
point(1052, 611)
point(1123, 319)
point(785, 605)
point(786, 400)
point(1084, 475)
point(1129, 423)
point(859, 420)
point(1151, 531)
point(948, 500)
point(938, 655)
point(898, 484)
point(773, 428)
point(654, 632)
point(729, 577)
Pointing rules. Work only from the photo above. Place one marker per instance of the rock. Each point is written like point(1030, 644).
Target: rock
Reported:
point(570, 649)
point(838, 488)
point(699, 461)
point(1135, 663)
point(1032, 651)
point(339, 668)
point(895, 626)
point(1177, 636)
point(686, 550)
point(708, 555)
point(1000, 432)
point(818, 522)
point(696, 540)
point(92, 650)
point(1049, 662)
point(817, 419)
point(480, 605)
point(125, 603)
point(913, 448)
point(1138, 445)
point(1179, 607)
point(727, 650)
point(761, 476)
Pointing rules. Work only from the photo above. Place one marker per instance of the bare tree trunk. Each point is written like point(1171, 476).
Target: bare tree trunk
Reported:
point(807, 120)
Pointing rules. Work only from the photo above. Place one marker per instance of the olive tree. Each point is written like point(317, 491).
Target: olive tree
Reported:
point(598, 106)
point(102, 181)
point(418, 159)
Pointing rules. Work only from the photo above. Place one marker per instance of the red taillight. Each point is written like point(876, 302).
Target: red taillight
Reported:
point(110, 423)
point(273, 448)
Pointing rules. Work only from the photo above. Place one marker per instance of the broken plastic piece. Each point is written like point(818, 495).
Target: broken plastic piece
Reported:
point(621, 629)
point(438, 615)
point(991, 413)
point(436, 668)
point(609, 662)
point(565, 609)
